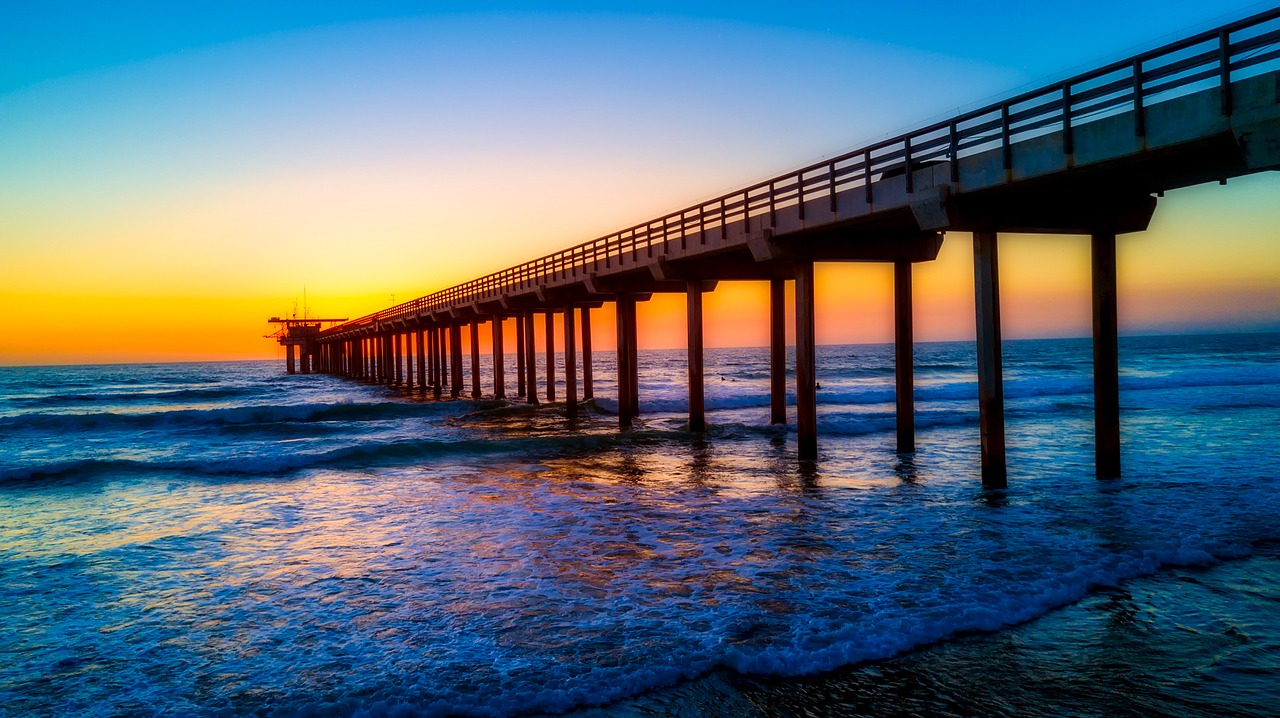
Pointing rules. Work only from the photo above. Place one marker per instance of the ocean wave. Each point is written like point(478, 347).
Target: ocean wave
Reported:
point(1014, 388)
point(134, 397)
point(354, 456)
point(855, 644)
point(241, 415)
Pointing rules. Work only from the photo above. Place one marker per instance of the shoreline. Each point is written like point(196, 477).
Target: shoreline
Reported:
point(1185, 640)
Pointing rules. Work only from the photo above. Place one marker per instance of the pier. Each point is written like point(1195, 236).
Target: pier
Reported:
point(1089, 155)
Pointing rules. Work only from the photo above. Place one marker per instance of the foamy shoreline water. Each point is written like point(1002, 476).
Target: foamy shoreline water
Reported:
point(227, 539)
point(1182, 641)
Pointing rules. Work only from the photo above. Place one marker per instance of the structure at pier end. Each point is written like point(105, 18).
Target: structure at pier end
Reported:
point(300, 339)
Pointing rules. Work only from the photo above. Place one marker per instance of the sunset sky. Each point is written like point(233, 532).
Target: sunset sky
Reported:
point(171, 174)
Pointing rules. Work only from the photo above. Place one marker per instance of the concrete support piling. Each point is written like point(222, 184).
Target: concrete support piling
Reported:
point(499, 361)
point(388, 341)
point(904, 356)
point(408, 360)
point(624, 388)
point(397, 356)
point(570, 363)
point(289, 365)
point(1106, 357)
point(806, 365)
point(455, 359)
point(986, 282)
point(588, 392)
point(475, 359)
point(531, 373)
point(420, 338)
point(777, 352)
point(437, 356)
point(697, 407)
point(549, 320)
point(519, 356)
point(633, 357)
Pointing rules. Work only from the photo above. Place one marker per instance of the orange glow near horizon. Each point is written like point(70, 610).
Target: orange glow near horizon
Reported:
point(1210, 259)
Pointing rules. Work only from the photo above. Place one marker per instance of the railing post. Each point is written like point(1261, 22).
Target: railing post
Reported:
point(1068, 135)
point(954, 132)
point(1006, 142)
point(831, 189)
point(866, 172)
point(906, 164)
point(1139, 107)
point(1224, 69)
point(800, 193)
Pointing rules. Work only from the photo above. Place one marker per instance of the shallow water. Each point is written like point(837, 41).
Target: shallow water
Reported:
point(212, 538)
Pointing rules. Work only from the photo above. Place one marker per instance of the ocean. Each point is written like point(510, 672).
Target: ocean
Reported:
point(226, 539)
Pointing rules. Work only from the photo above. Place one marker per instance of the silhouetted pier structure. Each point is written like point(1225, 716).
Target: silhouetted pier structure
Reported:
point(300, 339)
point(1087, 155)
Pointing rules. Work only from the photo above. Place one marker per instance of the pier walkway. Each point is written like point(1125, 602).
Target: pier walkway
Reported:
point(1089, 155)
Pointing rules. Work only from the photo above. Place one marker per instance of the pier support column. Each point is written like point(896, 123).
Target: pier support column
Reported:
point(455, 358)
point(777, 352)
point(624, 373)
point(986, 284)
point(519, 356)
point(408, 359)
point(389, 342)
point(530, 367)
point(570, 363)
point(550, 326)
point(421, 340)
point(904, 357)
point(397, 356)
point(499, 361)
point(633, 357)
point(588, 392)
point(379, 342)
point(806, 365)
point(289, 366)
point(693, 325)
point(442, 341)
point(437, 357)
point(475, 359)
point(1106, 357)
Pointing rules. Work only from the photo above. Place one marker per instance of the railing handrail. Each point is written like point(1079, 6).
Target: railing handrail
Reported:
point(945, 138)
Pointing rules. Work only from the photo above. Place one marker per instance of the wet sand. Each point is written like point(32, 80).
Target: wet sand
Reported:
point(1188, 641)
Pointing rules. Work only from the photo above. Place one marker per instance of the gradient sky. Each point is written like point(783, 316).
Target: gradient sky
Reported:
point(171, 174)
